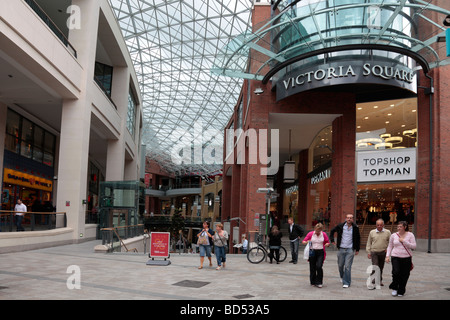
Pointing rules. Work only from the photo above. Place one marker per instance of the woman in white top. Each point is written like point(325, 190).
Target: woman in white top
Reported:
point(400, 245)
point(319, 240)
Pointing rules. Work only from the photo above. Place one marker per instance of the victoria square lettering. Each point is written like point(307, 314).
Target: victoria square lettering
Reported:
point(384, 72)
point(339, 73)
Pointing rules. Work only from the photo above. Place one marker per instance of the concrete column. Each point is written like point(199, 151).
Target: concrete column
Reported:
point(75, 125)
point(115, 162)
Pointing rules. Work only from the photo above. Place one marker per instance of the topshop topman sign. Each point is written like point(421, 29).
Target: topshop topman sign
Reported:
point(339, 73)
point(387, 165)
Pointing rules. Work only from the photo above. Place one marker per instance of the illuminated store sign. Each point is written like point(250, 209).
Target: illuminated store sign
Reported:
point(26, 180)
point(388, 165)
point(321, 176)
point(339, 73)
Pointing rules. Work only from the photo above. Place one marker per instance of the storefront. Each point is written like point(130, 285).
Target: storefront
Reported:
point(28, 164)
point(357, 85)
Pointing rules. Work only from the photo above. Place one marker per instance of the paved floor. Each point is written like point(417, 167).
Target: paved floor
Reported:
point(52, 274)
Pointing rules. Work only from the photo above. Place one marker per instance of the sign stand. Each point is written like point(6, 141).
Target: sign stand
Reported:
point(159, 248)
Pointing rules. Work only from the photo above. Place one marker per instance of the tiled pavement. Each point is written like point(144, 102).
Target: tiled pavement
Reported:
point(44, 274)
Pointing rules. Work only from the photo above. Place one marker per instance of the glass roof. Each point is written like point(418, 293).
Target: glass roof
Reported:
point(303, 29)
point(191, 56)
point(173, 45)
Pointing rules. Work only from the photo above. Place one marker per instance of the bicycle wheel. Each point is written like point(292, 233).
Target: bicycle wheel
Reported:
point(256, 255)
point(283, 254)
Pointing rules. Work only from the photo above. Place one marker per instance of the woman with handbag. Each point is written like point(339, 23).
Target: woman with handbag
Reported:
point(220, 246)
point(204, 243)
point(400, 245)
point(319, 240)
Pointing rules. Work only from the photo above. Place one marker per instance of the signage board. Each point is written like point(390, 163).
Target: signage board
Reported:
point(386, 165)
point(345, 72)
point(26, 180)
point(159, 244)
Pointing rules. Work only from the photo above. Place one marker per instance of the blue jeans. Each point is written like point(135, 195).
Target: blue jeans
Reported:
point(294, 249)
point(19, 226)
point(220, 255)
point(345, 260)
point(205, 249)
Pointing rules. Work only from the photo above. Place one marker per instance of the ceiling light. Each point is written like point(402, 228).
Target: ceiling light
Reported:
point(394, 140)
point(258, 91)
point(383, 145)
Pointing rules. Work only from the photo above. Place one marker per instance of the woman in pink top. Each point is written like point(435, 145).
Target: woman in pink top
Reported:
point(319, 240)
point(400, 245)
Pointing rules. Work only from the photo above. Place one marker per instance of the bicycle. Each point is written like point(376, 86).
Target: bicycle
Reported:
point(259, 253)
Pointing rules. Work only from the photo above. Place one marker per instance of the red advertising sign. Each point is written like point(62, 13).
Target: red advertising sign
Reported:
point(147, 179)
point(159, 244)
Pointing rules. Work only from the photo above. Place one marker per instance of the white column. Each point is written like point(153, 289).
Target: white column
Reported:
point(75, 124)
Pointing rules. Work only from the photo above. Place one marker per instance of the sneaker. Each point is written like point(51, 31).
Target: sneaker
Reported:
point(394, 293)
point(345, 286)
point(399, 295)
point(319, 286)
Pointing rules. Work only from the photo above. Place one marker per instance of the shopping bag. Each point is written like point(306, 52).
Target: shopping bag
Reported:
point(306, 252)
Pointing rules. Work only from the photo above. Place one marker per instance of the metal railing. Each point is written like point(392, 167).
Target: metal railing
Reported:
point(44, 17)
point(31, 221)
point(113, 237)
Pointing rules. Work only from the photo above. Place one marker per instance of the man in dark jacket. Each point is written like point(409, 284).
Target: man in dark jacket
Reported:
point(295, 233)
point(348, 243)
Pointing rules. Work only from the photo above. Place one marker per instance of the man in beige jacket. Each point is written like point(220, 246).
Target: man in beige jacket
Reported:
point(377, 243)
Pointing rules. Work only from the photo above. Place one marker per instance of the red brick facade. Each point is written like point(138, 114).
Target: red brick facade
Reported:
point(241, 181)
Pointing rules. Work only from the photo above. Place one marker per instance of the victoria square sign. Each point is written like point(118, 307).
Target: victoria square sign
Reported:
point(340, 73)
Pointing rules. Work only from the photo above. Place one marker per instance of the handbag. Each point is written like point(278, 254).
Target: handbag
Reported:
point(202, 240)
point(412, 264)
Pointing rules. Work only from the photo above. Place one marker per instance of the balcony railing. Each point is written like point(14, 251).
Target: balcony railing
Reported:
point(32, 221)
point(44, 17)
point(113, 237)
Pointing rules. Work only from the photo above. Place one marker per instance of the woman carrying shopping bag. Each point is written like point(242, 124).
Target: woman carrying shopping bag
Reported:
point(319, 240)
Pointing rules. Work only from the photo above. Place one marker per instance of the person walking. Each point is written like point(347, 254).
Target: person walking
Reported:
point(19, 209)
point(220, 238)
point(204, 243)
point(275, 244)
point(376, 247)
point(319, 240)
point(295, 233)
point(348, 243)
point(399, 249)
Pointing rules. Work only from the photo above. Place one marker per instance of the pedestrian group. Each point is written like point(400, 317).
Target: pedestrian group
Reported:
point(382, 247)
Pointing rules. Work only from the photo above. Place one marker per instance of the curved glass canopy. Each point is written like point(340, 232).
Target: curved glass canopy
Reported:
point(173, 45)
point(301, 30)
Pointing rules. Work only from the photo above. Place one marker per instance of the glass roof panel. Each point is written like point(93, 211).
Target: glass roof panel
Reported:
point(301, 29)
point(173, 45)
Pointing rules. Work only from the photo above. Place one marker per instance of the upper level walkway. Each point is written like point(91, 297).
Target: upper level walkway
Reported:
point(43, 274)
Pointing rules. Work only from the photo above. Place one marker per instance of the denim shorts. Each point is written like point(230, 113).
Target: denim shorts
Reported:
point(205, 249)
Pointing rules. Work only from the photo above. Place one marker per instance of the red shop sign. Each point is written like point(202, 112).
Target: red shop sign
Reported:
point(159, 244)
